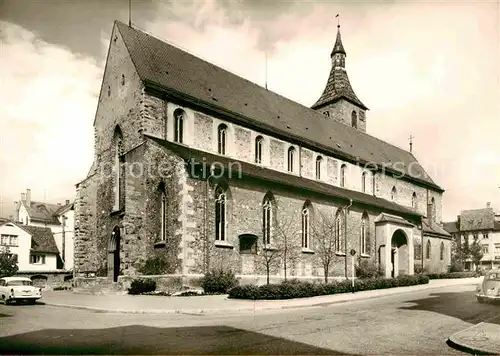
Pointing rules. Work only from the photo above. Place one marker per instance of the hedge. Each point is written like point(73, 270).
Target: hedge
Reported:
point(452, 275)
point(298, 289)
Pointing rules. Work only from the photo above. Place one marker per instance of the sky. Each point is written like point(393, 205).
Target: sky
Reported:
point(426, 69)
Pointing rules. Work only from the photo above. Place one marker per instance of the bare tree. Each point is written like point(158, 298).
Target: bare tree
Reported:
point(325, 237)
point(283, 249)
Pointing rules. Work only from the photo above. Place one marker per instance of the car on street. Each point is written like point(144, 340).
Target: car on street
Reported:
point(489, 288)
point(14, 289)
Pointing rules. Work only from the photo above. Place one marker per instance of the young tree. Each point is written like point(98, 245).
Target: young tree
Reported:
point(325, 237)
point(8, 263)
point(283, 250)
point(476, 253)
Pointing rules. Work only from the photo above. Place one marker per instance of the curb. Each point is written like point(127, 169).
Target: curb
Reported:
point(238, 310)
point(462, 346)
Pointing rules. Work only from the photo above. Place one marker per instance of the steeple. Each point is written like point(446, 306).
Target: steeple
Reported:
point(338, 99)
point(339, 47)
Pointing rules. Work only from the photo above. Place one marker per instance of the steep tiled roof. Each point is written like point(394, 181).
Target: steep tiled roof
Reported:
point(64, 208)
point(183, 76)
point(338, 85)
point(478, 219)
point(435, 229)
point(451, 227)
point(267, 175)
point(42, 239)
point(42, 212)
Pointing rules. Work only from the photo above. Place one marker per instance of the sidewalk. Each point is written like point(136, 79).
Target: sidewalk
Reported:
point(214, 304)
point(480, 339)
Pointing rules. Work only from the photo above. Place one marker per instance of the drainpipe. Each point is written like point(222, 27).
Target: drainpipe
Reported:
point(63, 241)
point(346, 211)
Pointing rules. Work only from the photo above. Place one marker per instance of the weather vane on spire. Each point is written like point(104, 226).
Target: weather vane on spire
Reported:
point(411, 142)
point(338, 20)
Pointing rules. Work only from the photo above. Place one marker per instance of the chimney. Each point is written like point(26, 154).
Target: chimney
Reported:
point(67, 201)
point(488, 204)
point(429, 214)
point(28, 197)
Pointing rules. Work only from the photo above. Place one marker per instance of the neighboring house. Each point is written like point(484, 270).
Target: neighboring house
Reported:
point(58, 217)
point(33, 246)
point(199, 166)
point(483, 225)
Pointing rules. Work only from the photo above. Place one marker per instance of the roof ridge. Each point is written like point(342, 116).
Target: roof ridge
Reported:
point(136, 28)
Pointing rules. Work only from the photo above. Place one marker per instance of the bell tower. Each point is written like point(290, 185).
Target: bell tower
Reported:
point(338, 100)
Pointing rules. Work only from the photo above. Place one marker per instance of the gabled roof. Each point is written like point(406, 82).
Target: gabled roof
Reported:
point(64, 208)
point(41, 212)
point(477, 219)
point(195, 157)
point(182, 76)
point(42, 239)
point(384, 217)
point(451, 227)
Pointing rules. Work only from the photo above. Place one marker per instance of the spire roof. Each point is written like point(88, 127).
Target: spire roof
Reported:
point(338, 85)
point(339, 47)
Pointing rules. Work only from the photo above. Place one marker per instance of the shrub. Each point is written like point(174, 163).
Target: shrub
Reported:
point(297, 289)
point(218, 281)
point(452, 275)
point(367, 269)
point(154, 266)
point(455, 266)
point(141, 286)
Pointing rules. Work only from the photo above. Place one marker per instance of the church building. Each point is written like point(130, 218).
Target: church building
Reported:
point(203, 169)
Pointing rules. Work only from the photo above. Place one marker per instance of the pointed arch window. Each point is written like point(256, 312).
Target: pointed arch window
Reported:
point(373, 183)
point(306, 224)
point(364, 234)
point(291, 158)
point(428, 250)
point(363, 182)
point(433, 209)
point(394, 194)
point(222, 139)
point(179, 116)
point(119, 183)
point(163, 213)
point(414, 200)
point(342, 175)
point(319, 162)
point(220, 214)
point(339, 231)
point(441, 251)
point(259, 144)
point(354, 119)
point(267, 219)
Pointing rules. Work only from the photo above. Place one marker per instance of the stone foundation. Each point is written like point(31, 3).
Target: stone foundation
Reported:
point(49, 280)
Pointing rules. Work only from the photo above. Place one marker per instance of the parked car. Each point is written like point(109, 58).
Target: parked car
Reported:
point(18, 289)
point(489, 288)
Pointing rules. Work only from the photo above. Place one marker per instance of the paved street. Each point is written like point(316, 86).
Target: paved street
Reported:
point(417, 323)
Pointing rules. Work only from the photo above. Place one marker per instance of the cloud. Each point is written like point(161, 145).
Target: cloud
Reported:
point(48, 99)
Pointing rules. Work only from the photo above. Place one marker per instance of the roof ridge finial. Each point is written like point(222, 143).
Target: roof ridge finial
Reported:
point(338, 20)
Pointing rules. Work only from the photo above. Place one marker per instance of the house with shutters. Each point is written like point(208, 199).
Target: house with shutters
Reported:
point(205, 169)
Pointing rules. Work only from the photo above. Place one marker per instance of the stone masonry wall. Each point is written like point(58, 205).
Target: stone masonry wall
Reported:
point(342, 110)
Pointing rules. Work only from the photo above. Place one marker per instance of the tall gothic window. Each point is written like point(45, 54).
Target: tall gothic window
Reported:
point(179, 116)
point(319, 161)
point(441, 251)
point(222, 139)
point(364, 234)
point(433, 209)
point(339, 231)
point(291, 158)
point(428, 250)
point(363, 182)
point(118, 143)
point(259, 143)
point(354, 119)
point(373, 183)
point(394, 194)
point(267, 219)
point(306, 224)
point(163, 212)
point(414, 200)
point(342, 175)
point(220, 214)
